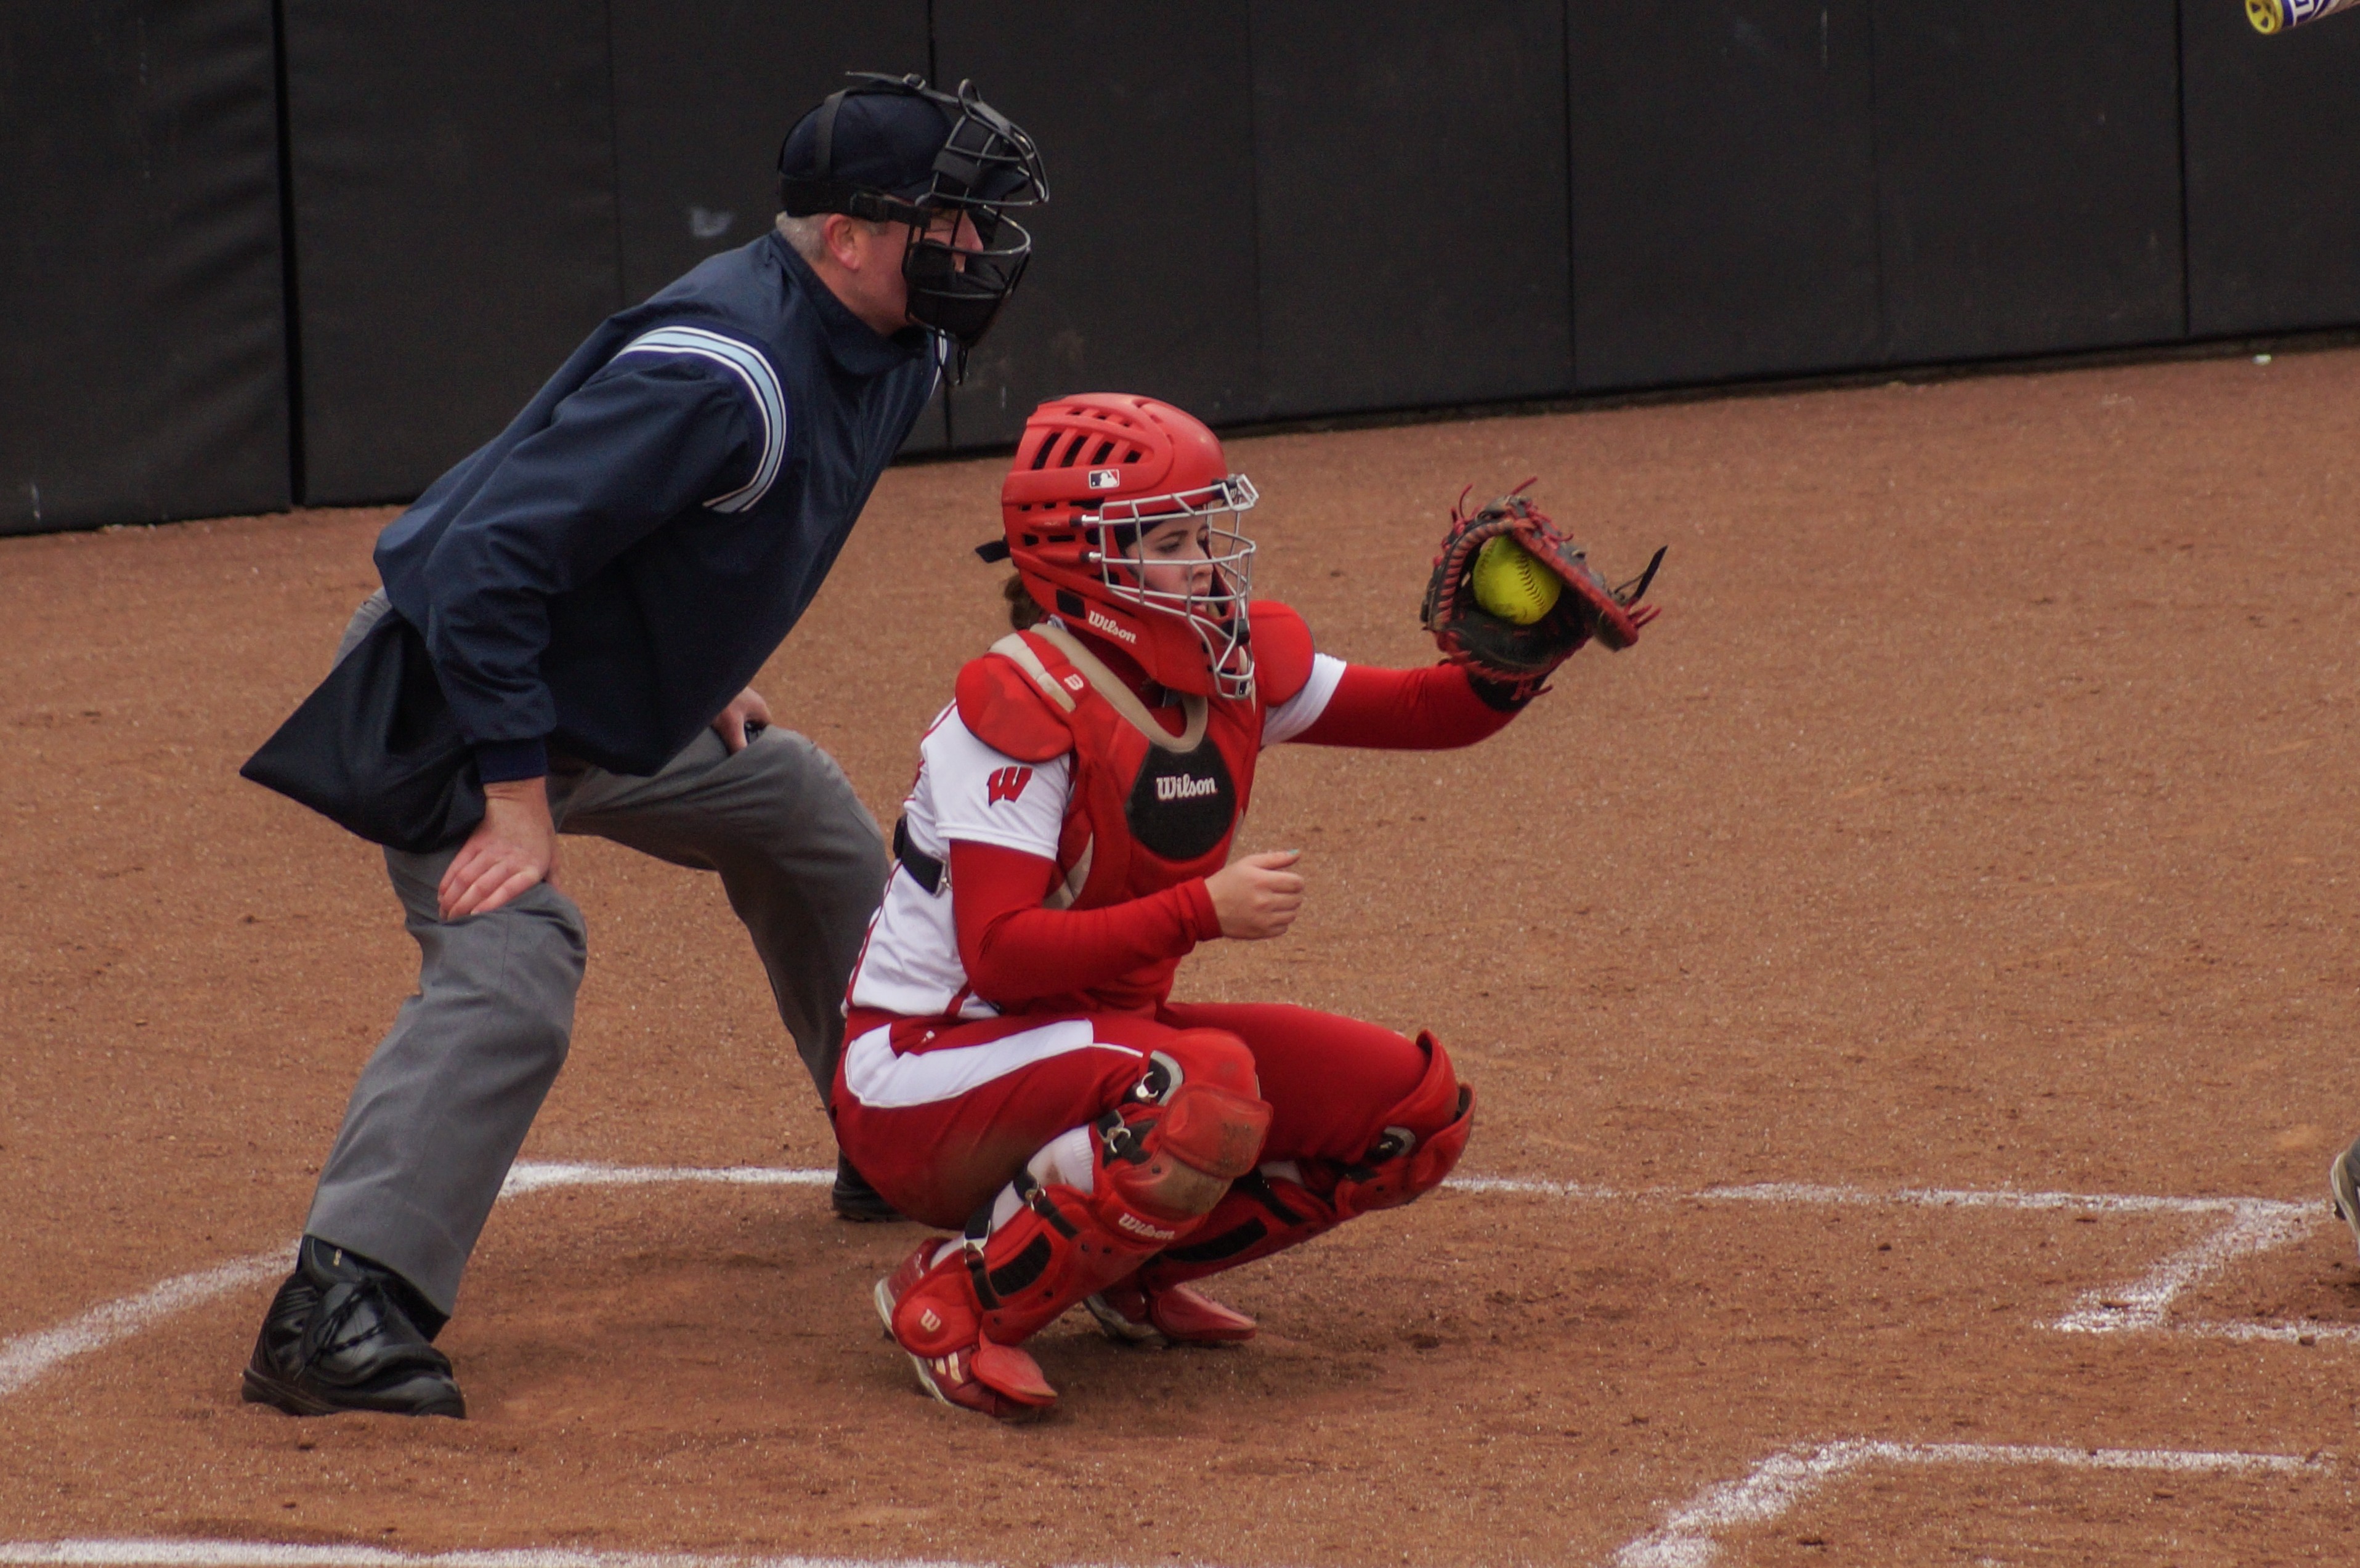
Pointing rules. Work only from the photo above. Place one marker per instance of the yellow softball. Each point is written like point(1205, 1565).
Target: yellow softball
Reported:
point(1511, 584)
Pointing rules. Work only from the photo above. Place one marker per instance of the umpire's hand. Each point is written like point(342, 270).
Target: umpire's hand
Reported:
point(746, 716)
point(512, 850)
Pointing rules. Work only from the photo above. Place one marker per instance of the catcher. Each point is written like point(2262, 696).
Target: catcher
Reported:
point(1015, 1067)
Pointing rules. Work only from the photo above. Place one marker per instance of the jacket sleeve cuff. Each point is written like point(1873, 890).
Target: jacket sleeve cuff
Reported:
point(505, 761)
point(1202, 919)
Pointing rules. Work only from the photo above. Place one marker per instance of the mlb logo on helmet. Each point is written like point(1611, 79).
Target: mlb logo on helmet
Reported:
point(1106, 478)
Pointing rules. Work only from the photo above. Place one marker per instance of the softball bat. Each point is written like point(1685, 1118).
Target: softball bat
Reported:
point(2277, 15)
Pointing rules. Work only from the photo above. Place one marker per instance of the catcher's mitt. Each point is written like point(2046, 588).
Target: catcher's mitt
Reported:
point(1499, 652)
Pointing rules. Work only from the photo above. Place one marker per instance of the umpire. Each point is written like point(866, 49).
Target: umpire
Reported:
point(595, 588)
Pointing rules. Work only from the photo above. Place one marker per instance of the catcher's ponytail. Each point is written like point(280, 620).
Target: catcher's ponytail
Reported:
point(1023, 614)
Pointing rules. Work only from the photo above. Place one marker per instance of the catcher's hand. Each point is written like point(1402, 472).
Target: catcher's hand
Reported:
point(1511, 663)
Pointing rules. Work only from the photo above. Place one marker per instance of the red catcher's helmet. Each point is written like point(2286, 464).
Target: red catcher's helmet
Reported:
point(1092, 473)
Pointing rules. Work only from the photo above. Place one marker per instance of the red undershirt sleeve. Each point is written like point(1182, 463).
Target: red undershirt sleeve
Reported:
point(1014, 950)
point(1404, 710)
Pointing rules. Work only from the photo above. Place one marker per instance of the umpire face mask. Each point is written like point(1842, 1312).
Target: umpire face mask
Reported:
point(961, 267)
point(960, 272)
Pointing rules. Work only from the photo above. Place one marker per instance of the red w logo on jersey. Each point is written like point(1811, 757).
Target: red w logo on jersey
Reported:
point(1006, 784)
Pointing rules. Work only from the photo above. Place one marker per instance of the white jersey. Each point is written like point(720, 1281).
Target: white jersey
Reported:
point(973, 793)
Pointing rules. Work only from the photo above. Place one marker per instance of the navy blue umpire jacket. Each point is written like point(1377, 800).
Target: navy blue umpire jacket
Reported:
point(610, 571)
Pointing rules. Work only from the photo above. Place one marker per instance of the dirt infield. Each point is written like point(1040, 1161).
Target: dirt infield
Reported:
point(1912, 995)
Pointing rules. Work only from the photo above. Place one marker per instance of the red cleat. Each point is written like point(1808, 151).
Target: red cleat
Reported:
point(1132, 1314)
point(997, 1380)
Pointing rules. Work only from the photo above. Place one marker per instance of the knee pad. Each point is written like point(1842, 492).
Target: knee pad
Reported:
point(1193, 1123)
point(1214, 1057)
point(1178, 1158)
point(1422, 1138)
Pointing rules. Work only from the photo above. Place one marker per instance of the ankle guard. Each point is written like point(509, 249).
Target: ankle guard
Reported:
point(1160, 1169)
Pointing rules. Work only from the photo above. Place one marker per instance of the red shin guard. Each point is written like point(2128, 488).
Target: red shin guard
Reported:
point(1285, 1205)
point(1161, 1168)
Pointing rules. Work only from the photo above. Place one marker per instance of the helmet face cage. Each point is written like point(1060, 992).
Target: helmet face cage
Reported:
point(1216, 613)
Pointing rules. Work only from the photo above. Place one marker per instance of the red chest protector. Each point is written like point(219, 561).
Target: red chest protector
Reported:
point(1149, 809)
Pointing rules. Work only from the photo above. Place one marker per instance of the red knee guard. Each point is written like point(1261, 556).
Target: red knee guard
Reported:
point(1285, 1205)
point(1161, 1168)
point(1424, 1137)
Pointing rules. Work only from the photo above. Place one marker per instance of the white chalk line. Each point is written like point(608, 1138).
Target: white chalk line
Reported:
point(540, 1177)
point(2250, 1226)
point(28, 1358)
point(25, 1358)
point(2299, 1331)
point(1802, 1192)
point(1690, 1536)
point(2253, 1226)
point(88, 1552)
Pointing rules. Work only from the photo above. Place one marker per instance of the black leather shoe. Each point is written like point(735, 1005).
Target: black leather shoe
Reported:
point(345, 1335)
point(854, 1199)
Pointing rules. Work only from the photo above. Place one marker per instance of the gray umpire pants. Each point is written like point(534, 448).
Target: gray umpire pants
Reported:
point(444, 1103)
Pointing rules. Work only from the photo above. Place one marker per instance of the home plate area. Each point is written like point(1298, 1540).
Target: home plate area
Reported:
point(675, 1369)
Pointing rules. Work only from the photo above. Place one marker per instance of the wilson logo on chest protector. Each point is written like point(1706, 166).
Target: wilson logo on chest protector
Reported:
point(1005, 784)
point(1182, 806)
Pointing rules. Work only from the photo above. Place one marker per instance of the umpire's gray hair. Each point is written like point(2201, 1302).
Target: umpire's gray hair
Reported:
point(809, 234)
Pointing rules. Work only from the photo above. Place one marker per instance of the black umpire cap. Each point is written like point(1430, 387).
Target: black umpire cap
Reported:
point(883, 142)
point(887, 144)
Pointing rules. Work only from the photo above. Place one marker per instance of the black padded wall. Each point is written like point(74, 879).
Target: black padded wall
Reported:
point(705, 92)
point(453, 178)
point(2273, 201)
point(1143, 272)
point(143, 370)
point(702, 95)
point(1264, 208)
point(2028, 161)
point(1410, 189)
point(1707, 246)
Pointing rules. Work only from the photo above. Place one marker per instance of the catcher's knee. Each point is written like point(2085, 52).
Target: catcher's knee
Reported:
point(1197, 1056)
point(1420, 1144)
point(1193, 1123)
point(1179, 1159)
